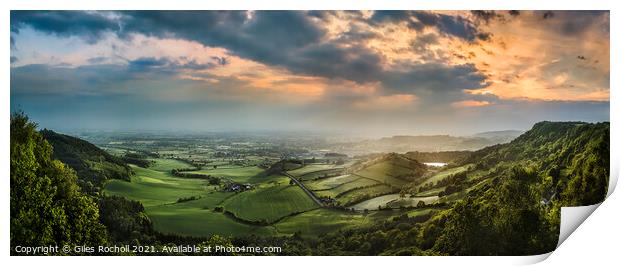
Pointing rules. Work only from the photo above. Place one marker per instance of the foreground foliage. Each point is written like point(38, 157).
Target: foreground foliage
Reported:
point(47, 207)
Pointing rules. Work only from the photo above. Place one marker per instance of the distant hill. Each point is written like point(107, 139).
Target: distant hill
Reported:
point(432, 143)
point(93, 165)
point(499, 136)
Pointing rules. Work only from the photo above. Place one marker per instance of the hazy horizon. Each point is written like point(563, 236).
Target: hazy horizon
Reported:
point(367, 73)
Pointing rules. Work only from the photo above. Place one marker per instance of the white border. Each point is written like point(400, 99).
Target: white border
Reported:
point(603, 225)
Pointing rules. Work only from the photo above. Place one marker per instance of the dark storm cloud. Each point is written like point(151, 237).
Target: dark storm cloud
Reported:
point(288, 39)
point(435, 78)
point(449, 25)
point(88, 25)
point(456, 26)
point(45, 79)
point(165, 64)
point(483, 15)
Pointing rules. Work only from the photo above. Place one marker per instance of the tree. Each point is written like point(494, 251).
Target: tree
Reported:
point(47, 207)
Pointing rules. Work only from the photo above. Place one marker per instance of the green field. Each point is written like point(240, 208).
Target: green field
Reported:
point(321, 221)
point(374, 203)
point(357, 183)
point(187, 219)
point(310, 168)
point(272, 200)
point(155, 188)
point(247, 174)
point(393, 201)
point(331, 182)
point(412, 201)
point(432, 192)
point(165, 165)
point(385, 172)
point(445, 173)
point(320, 174)
point(354, 196)
point(269, 204)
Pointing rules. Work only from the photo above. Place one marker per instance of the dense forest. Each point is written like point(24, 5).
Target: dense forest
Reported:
point(516, 211)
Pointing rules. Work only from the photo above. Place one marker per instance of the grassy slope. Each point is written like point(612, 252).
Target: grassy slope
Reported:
point(190, 218)
point(357, 183)
point(155, 188)
point(445, 173)
point(270, 203)
point(159, 191)
point(310, 168)
point(329, 183)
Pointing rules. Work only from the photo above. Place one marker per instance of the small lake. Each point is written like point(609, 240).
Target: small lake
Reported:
point(436, 164)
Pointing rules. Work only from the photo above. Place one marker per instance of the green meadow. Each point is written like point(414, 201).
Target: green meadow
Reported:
point(269, 204)
point(161, 164)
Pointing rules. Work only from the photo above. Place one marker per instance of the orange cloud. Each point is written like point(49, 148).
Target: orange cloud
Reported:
point(470, 103)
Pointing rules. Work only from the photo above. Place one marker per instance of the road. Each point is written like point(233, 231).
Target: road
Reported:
point(302, 186)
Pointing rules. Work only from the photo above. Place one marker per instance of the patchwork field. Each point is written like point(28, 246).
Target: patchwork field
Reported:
point(385, 172)
point(272, 206)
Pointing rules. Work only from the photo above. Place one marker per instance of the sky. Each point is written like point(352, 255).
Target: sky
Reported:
point(375, 73)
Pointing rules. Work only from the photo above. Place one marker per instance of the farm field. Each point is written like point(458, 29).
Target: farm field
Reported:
point(329, 183)
point(187, 206)
point(310, 168)
point(188, 219)
point(320, 174)
point(237, 174)
point(358, 195)
point(386, 172)
point(393, 201)
point(412, 201)
point(360, 182)
point(374, 203)
point(432, 192)
point(269, 204)
point(161, 164)
point(321, 221)
point(156, 188)
point(445, 173)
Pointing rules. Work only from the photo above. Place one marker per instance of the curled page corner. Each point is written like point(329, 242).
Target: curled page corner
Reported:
point(572, 217)
point(613, 179)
